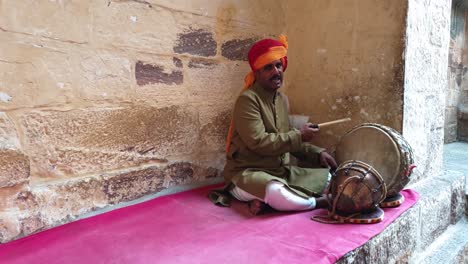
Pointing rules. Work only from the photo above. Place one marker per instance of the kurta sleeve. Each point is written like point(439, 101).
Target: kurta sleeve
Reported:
point(308, 152)
point(249, 124)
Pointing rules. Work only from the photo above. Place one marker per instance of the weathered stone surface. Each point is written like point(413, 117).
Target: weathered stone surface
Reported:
point(17, 198)
point(8, 136)
point(179, 173)
point(62, 20)
point(456, 180)
point(369, 72)
point(463, 112)
point(64, 201)
point(196, 42)
point(435, 209)
point(14, 167)
point(134, 25)
point(46, 72)
point(200, 63)
point(224, 85)
point(148, 74)
point(420, 56)
point(87, 141)
point(101, 75)
point(177, 62)
point(237, 49)
point(462, 129)
point(133, 184)
point(9, 227)
point(395, 244)
point(450, 133)
point(31, 224)
point(214, 128)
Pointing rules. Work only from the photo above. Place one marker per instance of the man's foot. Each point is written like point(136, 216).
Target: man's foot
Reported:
point(321, 202)
point(256, 207)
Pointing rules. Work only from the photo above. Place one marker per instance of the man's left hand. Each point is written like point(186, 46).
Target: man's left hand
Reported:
point(327, 161)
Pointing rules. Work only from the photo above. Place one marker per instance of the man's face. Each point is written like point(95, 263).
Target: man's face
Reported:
point(270, 76)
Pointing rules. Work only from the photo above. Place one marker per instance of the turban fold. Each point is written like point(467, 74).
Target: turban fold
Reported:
point(260, 54)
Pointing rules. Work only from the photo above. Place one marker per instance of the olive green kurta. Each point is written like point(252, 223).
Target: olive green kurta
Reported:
point(261, 143)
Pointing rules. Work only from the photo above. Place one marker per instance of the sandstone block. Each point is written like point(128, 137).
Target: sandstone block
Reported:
point(198, 42)
point(64, 201)
point(137, 25)
point(17, 198)
point(214, 126)
point(31, 224)
point(8, 136)
point(46, 73)
point(135, 183)
point(9, 227)
point(102, 75)
point(14, 167)
point(210, 81)
point(93, 140)
point(435, 209)
point(66, 21)
point(148, 74)
point(237, 49)
point(131, 185)
point(181, 172)
point(160, 80)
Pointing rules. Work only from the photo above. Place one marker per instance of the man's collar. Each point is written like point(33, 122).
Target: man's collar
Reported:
point(265, 93)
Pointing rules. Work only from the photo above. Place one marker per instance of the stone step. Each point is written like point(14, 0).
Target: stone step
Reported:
point(442, 203)
point(450, 247)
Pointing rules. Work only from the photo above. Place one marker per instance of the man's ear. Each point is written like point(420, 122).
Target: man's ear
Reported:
point(256, 74)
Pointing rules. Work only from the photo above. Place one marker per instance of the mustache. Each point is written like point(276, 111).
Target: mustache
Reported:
point(276, 76)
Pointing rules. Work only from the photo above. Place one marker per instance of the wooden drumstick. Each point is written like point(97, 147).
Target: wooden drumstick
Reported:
point(334, 122)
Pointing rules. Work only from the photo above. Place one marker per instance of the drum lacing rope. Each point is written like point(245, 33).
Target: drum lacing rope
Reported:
point(380, 179)
point(328, 219)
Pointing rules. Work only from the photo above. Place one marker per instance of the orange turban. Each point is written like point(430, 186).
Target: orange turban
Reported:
point(260, 54)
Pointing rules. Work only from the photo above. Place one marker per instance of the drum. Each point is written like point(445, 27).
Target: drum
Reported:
point(355, 188)
point(384, 149)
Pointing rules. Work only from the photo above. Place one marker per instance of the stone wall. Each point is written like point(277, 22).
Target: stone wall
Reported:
point(456, 70)
point(346, 61)
point(106, 101)
point(425, 82)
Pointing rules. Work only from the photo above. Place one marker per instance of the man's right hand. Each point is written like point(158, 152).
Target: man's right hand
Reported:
point(308, 132)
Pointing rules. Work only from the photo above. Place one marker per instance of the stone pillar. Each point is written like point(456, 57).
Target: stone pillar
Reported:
point(425, 82)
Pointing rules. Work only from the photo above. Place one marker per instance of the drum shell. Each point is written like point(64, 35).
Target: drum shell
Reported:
point(381, 147)
point(356, 188)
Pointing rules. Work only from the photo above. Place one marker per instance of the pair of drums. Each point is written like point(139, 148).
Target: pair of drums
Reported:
point(375, 165)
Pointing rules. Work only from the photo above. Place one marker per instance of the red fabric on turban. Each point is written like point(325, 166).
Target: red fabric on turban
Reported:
point(260, 54)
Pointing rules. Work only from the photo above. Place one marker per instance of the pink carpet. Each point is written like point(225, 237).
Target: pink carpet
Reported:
point(187, 228)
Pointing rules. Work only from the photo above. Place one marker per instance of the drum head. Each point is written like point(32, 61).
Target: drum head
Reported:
point(373, 146)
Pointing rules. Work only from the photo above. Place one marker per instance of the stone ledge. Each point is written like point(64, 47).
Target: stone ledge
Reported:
point(415, 229)
point(51, 204)
point(450, 247)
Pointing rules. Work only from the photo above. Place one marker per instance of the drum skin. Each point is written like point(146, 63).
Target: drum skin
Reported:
point(381, 147)
point(356, 188)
